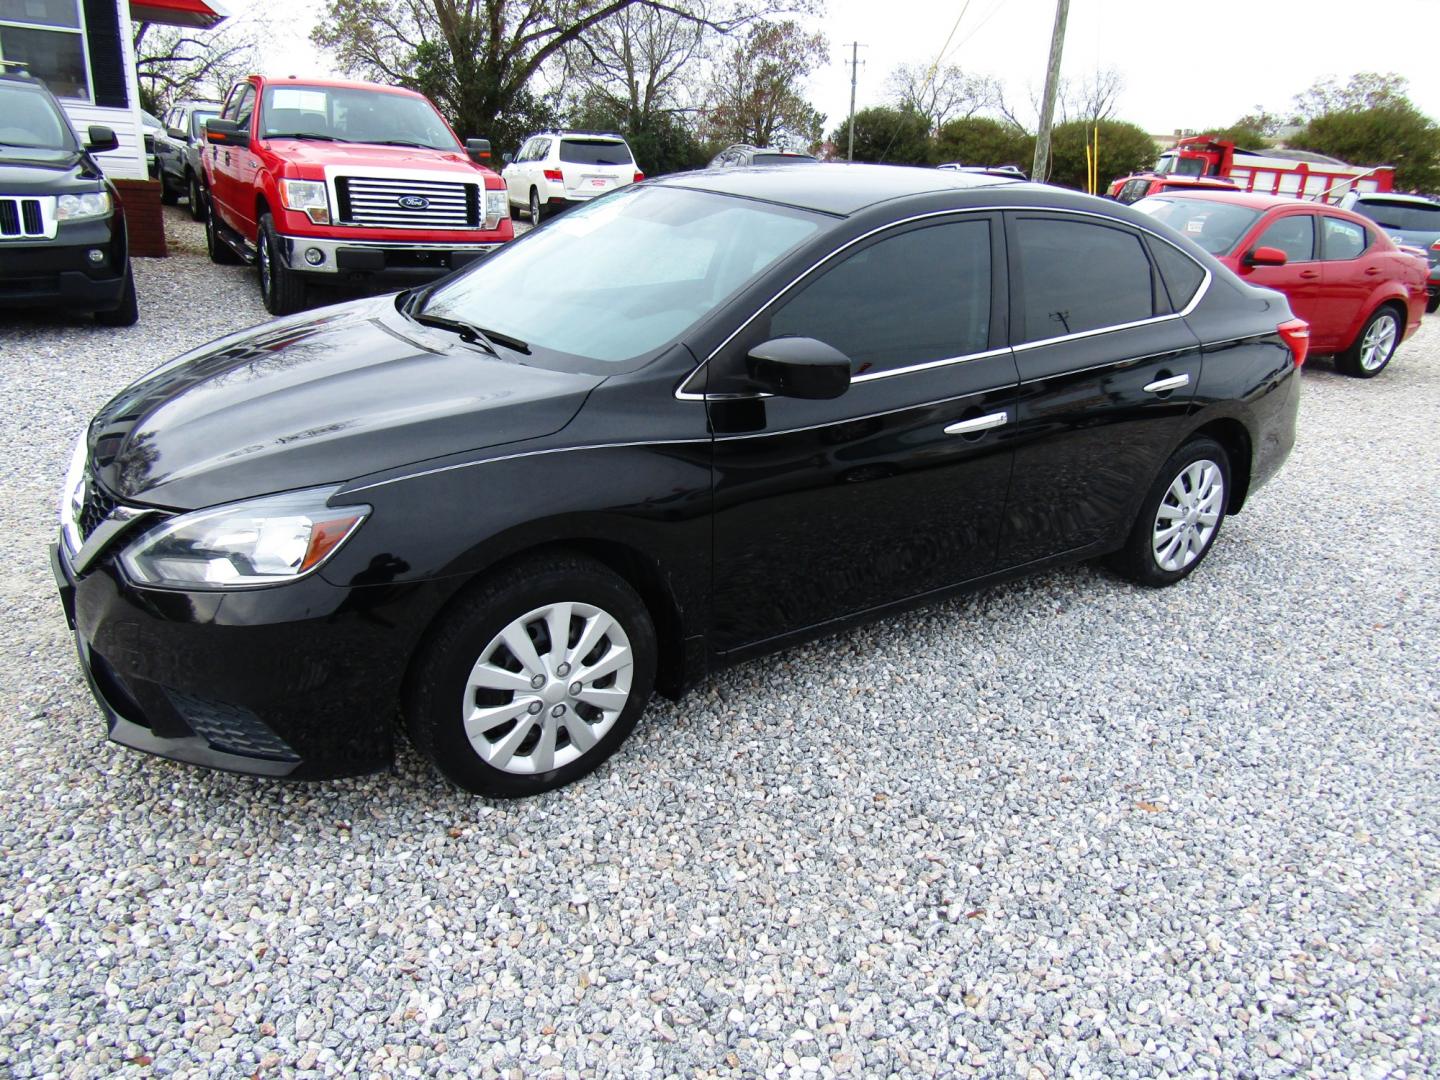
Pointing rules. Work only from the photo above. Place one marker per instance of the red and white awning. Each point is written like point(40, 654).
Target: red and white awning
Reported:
point(203, 14)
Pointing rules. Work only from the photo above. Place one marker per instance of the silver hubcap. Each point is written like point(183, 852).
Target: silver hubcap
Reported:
point(264, 264)
point(1188, 515)
point(1379, 341)
point(534, 208)
point(547, 688)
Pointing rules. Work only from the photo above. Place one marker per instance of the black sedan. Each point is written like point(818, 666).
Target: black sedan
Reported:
point(688, 423)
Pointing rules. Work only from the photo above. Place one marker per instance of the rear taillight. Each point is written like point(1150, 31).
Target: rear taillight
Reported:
point(555, 175)
point(1296, 334)
point(641, 176)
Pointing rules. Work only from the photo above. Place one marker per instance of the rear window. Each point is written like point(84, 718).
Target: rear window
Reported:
point(1216, 226)
point(595, 152)
point(780, 159)
point(1080, 276)
point(1406, 216)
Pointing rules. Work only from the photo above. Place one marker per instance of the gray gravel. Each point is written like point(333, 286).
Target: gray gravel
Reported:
point(1066, 827)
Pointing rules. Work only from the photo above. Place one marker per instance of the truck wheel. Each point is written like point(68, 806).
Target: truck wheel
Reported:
point(197, 200)
point(221, 253)
point(282, 290)
point(127, 312)
point(534, 207)
point(168, 195)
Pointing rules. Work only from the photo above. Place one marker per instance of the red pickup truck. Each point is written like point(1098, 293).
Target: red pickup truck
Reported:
point(343, 182)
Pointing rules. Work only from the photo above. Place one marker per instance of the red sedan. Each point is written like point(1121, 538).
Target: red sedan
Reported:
point(1343, 275)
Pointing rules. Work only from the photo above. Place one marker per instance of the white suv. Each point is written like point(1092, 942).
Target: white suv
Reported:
point(560, 167)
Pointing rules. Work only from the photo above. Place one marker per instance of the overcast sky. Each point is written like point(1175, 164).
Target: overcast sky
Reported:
point(1185, 65)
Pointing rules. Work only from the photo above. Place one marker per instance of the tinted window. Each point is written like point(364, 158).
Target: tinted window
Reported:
point(1407, 216)
point(1294, 235)
point(595, 152)
point(1078, 276)
point(1343, 239)
point(1216, 226)
point(1182, 274)
point(779, 159)
point(907, 299)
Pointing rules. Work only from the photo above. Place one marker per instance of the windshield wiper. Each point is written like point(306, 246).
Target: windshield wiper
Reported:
point(465, 331)
point(402, 142)
point(306, 135)
point(412, 307)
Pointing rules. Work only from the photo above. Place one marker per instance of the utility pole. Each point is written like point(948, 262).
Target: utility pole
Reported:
point(855, 48)
point(1041, 167)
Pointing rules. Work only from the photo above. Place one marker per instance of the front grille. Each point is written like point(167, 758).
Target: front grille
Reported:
point(21, 217)
point(97, 507)
point(376, 202)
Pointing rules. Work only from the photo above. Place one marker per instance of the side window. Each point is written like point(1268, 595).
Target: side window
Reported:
point(1294, 235)
point(232, 103)
point(1078, 276)
point(907, 299)
point(1182, 275)
point(245, 107)
point(1343, 239)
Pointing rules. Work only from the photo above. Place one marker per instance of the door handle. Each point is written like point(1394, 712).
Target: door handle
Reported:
point(1174, 382)
point(1309, 275)
point(979, 423)
point(1371, 271)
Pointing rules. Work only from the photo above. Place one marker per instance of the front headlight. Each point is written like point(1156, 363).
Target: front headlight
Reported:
point(497, 207)
point(258, 542)
point(92, 204)
point(307, 196)
point(72, 495)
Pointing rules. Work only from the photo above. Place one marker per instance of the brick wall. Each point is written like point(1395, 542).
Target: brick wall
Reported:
point(144, 218)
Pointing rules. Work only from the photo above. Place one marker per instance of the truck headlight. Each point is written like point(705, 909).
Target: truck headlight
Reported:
point(258, 542)
point(497, 206)
point(91, 204)
point(307, 196)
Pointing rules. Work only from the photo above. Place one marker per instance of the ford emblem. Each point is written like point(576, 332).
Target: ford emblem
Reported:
point(413, 202)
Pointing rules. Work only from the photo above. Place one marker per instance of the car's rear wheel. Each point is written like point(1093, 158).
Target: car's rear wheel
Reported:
point(196, 197)
point(281, 289)
point(168, 195)
point(533, 678)
point(219, 251)
point(1373, 346)
point(1432, 304)
point(1180, 517)
point(127, 312)
point(534, 207)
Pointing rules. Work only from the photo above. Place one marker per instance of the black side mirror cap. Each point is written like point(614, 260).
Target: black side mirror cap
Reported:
point(226, 133)
point(798, 367)
point(479, 150)
point(101, 139)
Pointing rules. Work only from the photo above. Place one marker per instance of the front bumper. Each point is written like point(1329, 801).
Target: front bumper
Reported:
point(301, 680)
point(60, 272)
point(340, 260)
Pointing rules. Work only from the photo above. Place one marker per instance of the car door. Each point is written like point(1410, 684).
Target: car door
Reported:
point(1107, 371)
point(245, 165)
point(512, 174)
point(896, 488)
point(1349, 272)
point(221, 173)
point(1294, 233)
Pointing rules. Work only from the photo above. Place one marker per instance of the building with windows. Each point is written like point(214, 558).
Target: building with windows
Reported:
point(82, 50)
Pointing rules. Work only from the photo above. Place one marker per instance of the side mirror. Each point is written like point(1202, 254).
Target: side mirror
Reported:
point(479, 150)
point(1266, 256)
point(798, 367)
point(225, 133)
point(507, 157)
point(177, 133)
point(101, 139)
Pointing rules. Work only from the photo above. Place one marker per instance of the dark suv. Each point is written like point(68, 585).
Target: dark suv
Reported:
point(62, 229)
point(178, 152)
point(1409, 219)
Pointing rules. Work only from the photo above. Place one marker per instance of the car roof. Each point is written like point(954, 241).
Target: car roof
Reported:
point(1247, 198)
point(1393, 196)
point(831, 188)
point(336, 84)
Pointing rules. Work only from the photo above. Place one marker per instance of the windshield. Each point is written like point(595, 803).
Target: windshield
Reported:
point(1216, 226)
point(1405, 216)
point(29, 118)
point(595, 152)
point(352, 114)
point(621, 276)
point(779, 159)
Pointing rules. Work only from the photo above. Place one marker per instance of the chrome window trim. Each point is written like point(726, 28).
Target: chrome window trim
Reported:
point(682, 394)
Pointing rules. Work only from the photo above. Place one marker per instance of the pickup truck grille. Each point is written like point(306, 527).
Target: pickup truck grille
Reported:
point(20, 217)
point(382, 203)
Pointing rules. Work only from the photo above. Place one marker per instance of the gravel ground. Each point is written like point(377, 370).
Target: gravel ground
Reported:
point(1066, 827)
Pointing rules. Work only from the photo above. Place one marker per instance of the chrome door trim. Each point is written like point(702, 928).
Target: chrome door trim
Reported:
point(978, 424)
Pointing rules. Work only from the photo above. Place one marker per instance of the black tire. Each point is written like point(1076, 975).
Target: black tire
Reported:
point(1432, 304)
point(1352, 360)
point(168, 195)
point(534, 207)
point(127, 312)
point(1138, 559)
point(282, 290)
point(220, 252)
point(196, 197)
point(439, 680)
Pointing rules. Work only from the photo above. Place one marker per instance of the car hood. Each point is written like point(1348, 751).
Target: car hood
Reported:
point(25, 171)
point(317, 399)
point(354, 158)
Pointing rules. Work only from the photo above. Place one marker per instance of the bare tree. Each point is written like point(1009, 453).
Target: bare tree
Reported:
point(942, 94)
point(175, 63)
point(756, 88)
point(1095, 97)
point(641, 62)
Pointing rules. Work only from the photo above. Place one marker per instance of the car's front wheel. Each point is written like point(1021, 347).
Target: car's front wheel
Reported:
point(219, 251)
point(169, 196)
point(533, 678)
point(281, 289)
point(1373, 346)
point(196, 198)
point(534, 207)
point(1180, 517)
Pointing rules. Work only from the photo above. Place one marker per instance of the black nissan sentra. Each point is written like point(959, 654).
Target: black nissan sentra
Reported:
point(688, 423)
